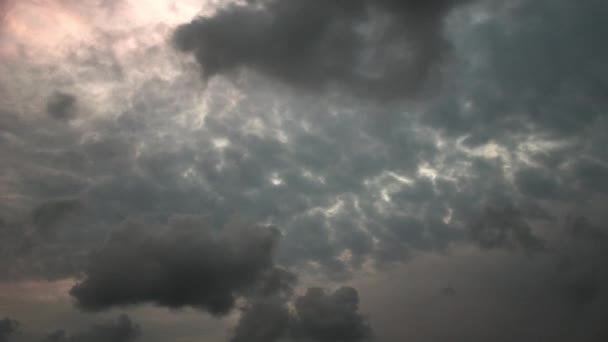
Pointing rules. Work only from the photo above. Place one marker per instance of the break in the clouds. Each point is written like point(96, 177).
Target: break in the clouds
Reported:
point(446, 159)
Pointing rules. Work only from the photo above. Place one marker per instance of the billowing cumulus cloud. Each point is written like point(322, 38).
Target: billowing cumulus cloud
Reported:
point(186, 264)
point(318, 317)
point(385, 47)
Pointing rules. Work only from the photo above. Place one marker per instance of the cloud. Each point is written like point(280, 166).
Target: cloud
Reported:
point(353, 180)
point(4, 10)
point(504, 228)
point(510, 85)
point(537, 184)
point(448, 291)
point(581, 228)
point(36, 245)
point(49, 214)
point(265, 320)
point(319, 316)
point(540, 297)
point(61, 106)
point(8, 327)
point(185, 264)
point(123, 329)
point(510, 143)
point(384, 48)
point(331, 317)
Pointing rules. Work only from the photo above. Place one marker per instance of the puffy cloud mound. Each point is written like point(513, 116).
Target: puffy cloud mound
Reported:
point(319, 316)
point(186, 264)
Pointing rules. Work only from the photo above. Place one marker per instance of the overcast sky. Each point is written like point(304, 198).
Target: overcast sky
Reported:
point(303, 170)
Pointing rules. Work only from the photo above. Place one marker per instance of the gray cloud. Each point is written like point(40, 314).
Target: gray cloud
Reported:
point(123, 329)
point(331, 317)
point(581, 228)
point(8, 327)
point(387, 48)
point(140, 162)
point(49, 214)
point(540, 297)
point(264, 320)
point(515, 86)
point(318, 317)
point(35, 245)
point(187, 264)
point(509, 145)
point(537, 184)
point(61, 106)
point(504, 227)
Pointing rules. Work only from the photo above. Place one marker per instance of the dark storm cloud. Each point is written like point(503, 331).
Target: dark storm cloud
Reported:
point(385, 47)
point(318, 317)
point(123, 329)
point(187, 264)
point(8, 327)
point(61, 106)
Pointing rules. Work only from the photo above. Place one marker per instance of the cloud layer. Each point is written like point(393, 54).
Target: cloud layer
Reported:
point(463, 138)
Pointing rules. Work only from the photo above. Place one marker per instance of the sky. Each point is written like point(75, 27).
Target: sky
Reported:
point(303, 170)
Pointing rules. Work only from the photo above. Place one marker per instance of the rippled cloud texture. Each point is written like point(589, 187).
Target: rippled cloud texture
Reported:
point(303, 170)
